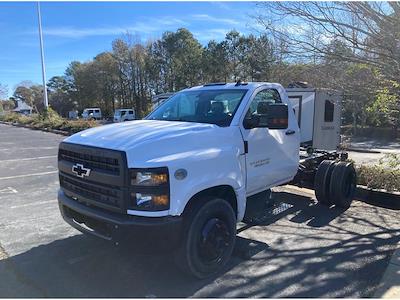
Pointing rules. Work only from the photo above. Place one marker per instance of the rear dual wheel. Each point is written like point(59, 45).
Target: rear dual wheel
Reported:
point(322, 181)
point(343, 184)
point(335, 183)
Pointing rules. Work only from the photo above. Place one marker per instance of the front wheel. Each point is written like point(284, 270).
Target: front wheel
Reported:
point(209, 238)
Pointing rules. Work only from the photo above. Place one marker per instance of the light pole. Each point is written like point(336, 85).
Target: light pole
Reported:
point(45, 100)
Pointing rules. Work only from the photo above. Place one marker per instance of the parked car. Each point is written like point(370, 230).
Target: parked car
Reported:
point(91, 114)
point(124, 114)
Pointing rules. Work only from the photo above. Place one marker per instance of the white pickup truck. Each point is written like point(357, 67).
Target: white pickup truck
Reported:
point(186, 173)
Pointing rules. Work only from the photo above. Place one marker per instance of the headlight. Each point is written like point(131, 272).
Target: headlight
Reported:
point(149, 189)
point(149, 201)
point(149, 177)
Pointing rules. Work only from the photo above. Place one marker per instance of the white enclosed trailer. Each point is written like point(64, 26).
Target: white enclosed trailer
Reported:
point(318, 112)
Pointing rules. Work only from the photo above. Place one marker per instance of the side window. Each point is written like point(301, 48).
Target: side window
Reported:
point(329, 110)
point(270, 96)
point(131, 112)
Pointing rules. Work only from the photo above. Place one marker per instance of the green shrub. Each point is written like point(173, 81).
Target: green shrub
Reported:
point(385, 175)
point(50, 120)
point(74, 126)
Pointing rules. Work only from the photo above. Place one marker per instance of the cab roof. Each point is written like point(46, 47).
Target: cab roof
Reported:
point(230, 86)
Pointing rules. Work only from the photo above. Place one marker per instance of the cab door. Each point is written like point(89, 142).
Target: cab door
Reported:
point(272, 154)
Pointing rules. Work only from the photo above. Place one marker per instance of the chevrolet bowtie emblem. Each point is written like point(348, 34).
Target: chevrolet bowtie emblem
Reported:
point(80, 171)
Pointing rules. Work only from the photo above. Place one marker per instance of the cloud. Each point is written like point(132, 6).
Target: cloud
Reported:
point(151, 26)
point(211, 34)
point(221, 5)
point(172, 21)
point(208, 18)
point(71, 32)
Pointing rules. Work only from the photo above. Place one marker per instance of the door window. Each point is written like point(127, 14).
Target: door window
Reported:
point(329, 110)
point(268, 96)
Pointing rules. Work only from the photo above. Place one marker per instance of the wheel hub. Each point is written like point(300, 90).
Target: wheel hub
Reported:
point(214, 240)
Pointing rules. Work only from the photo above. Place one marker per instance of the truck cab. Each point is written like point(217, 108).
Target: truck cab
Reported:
point(185, 174)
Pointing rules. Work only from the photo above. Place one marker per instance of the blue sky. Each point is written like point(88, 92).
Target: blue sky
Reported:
point(80, 30)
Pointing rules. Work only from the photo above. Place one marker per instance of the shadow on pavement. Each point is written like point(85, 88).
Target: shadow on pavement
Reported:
point(313, 251)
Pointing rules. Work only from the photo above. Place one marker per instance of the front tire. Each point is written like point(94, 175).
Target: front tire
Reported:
point(209, 238)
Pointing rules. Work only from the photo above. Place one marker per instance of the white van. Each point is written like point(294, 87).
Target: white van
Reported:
point(124, 114)
point(91, 113)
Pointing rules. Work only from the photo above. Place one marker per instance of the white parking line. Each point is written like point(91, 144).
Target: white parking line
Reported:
point(33, 204)
point(28, 175)
point(29, 148)
point(8, 190)
point(30, 158)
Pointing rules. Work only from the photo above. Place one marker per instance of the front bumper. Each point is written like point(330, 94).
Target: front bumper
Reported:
point(119, 228)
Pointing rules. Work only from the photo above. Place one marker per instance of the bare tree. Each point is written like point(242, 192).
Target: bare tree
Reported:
point(352, 46)
point(3, 91)
point(370, 29)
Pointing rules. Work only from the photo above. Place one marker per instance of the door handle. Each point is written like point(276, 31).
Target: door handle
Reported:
point(290, 131)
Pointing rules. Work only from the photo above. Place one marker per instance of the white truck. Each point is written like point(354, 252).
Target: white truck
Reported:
point(186, 174)
point(92, 114)
point(124, 114)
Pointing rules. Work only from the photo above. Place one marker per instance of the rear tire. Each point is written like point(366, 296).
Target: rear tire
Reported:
point(322, 181)
point(343, 184)
point(208, 239)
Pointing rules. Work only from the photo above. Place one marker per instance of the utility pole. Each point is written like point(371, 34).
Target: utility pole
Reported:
point(45, 100)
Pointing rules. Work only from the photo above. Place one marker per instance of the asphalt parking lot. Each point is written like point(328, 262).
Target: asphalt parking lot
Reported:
point(302, 249)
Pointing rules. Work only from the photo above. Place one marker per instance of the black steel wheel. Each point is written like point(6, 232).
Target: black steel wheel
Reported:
point(322, 181)
point(343, 184)
point(209, 238)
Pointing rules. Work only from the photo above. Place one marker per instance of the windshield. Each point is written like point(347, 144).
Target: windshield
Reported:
point(204, 106)
point(117, 113)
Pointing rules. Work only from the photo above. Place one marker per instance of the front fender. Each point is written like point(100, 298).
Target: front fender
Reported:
point(226, 168)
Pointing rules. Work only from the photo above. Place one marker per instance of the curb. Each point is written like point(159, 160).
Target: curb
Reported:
point(362, 150)
point(378, 197)
point(56, 131)
point(373, 197)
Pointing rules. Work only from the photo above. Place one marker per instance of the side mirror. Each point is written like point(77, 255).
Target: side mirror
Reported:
point(278, 116)
point(252, 122)
point(275, 117)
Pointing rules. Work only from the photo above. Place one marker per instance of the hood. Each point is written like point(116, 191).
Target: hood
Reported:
point(127, 135)
point(147, 141)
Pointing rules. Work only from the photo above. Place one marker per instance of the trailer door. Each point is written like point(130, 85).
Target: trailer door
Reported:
point(327, 120)
point(303, 104)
